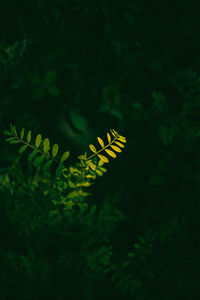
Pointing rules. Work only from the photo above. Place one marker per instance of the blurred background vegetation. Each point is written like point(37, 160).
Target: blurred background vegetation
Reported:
point(71, 70)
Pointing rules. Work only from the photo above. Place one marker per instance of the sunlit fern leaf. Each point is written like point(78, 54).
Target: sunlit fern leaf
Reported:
point(121, 139)
point(100, 141)
point(22, 149)
point(100, 173)
point(92, 166)
point(111, 153)
point(92, 148)
point(64, 156)
point(22, 133)
point(38, 140)
point(55, 150)
point(46, 145)
point(119, 144)
point(108, 137)
point(112, 132)
point(100, 163)
point(102, 157)
point(117, 149)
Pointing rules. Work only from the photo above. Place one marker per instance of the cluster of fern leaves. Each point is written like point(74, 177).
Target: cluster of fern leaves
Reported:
point(51, 209)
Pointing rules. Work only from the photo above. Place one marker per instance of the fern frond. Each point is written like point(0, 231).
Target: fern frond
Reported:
point(118, 140)
point(40, 155)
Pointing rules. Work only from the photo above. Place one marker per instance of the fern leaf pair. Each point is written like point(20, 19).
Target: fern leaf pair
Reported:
point(116, 144)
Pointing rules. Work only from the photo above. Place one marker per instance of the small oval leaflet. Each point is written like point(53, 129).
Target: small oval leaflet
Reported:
point(92, 166)
point(102, 157)
point(29, 136)
point(32, 155)
point(22, 149)
point(112, 132)
point(108, 137)
point(119, 144)
point(47, 165)
point(37, 162)
point(100, 141)
point(121, 139)
point(55, 150)
point(38, 140)
point(46, 145)
point(64, 156)
point(59, 170)
point(92, 148)
point(14, 141)
point(117, 149)
point(111, 153)
point(22, 133)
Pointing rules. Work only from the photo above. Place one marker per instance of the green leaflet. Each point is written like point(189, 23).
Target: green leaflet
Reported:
point(28, 136)
point(47, 165)
point(14, 131)
point(7, 132)
point(46, 145)
point(38, 140)
point(22, 133)
point(22, 149)
point(14, 142)
point(38, 161)
point(59, 170)
point(64, 156)
point(32, 155)
point(10, 139)
point(55, 150)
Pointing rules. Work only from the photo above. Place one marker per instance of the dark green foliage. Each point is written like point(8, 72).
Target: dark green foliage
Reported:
point(70, 70)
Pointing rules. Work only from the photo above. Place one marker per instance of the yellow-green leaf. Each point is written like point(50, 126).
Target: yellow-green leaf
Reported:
point(108, 137)
point(102, 157)
point(38, 140)
point(100, 173)
point(55, 150)
point(22, 134)
point(112, 132)
point(121, 139)
point(64, 156)
point(111, 153)
point(46, 145)
point(119, 144)
point(100, 141)
point(92, 166)
point(92, 148)
point(100, 163)
point(29, 136)
point(117, 149)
